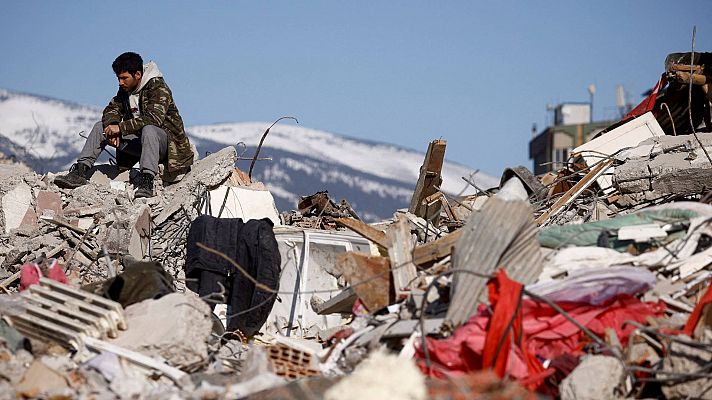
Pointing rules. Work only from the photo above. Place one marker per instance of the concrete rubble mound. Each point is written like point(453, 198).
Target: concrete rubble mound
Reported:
point(588, 282)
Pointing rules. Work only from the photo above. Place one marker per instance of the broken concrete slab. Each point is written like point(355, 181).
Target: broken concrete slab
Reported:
point(175, 327)
point(48, 203)
point(597, 377)
point(209, 172)
point(15, 204)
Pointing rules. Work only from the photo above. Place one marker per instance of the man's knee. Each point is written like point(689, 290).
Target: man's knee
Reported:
point(150, 131)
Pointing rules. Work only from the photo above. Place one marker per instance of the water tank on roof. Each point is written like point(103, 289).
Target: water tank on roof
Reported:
point(572, 113)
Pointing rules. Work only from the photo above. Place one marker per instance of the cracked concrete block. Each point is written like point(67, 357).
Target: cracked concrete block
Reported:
point(668, 163)
point(636, 186)
point(597, 377)
point(29, 221)
point(15, 204)
point(140, 233)
point(48, 201)
point(210, 172)
point(175, 327)
point(632, 170)
point(683, 181)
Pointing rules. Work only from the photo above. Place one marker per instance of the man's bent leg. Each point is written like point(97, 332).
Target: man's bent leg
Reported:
point(154, 148)
point(96, 141)
point(92, 148)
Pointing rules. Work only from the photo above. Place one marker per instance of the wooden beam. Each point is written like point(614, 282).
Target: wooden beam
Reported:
point(365, 230)
point(368, 276)
point(429, 177)
point(436, 249)
point(400, 249)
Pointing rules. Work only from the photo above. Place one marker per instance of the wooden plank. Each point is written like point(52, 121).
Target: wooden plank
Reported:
point(368, 276)
point(429, 177)
point(436, 249)
point(365, 230)
point(341, 303)
point(400, 249)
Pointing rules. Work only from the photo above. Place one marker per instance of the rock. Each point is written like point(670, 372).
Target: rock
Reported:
point(15, 204)
point(381, 376)
point(684, 358)
point(597, 377)
point(175, 327)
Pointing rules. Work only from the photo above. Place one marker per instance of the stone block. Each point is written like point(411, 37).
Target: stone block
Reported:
point(15, 204)
point(175, 327)
point(632, 170)
point(597, 377)
point(48, 201)
point(636, 186)
point(668, 163)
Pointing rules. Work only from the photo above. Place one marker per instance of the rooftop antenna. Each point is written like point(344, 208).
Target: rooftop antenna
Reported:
point(591, 92)
point(620, 100)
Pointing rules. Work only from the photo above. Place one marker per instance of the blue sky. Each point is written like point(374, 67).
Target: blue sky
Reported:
point(475, 73)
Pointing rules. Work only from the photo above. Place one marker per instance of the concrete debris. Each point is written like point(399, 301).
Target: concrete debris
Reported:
point(374, 378)
point(175, 327)
point(597, 377)
point(569, 285)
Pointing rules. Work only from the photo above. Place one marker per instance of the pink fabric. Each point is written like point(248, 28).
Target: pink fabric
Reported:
point(31, 273)
point(547, 334)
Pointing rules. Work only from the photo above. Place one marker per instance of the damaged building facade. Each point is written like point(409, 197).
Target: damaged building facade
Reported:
point(588, 280)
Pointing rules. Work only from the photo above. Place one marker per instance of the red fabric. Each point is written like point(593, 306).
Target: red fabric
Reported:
point(694, 318)
point(504, 295)
point(649, 102)
point(545, 334)
point(31, 273)
point(56, 273)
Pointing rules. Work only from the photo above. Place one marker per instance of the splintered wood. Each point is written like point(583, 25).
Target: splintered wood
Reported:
point(428, 181)
point(369, 277)
point(400, 247)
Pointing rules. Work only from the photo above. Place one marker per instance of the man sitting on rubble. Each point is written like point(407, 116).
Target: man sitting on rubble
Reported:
point(143, 124)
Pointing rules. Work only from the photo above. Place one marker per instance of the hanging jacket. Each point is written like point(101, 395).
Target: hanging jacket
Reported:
point(253, 246)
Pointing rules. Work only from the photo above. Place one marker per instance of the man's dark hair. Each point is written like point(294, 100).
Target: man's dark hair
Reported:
point(128, 62)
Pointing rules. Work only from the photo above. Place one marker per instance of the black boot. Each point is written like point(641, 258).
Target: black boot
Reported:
point(144, 186)
point(74, 178)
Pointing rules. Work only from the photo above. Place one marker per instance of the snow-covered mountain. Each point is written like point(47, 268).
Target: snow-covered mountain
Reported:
point(376, 178)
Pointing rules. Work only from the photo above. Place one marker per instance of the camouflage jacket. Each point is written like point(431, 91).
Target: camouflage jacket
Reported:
point(158, 109)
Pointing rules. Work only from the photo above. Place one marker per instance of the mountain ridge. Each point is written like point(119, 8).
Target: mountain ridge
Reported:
point(376, 177)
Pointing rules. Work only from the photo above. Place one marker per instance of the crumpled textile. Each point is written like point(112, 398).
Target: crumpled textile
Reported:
point(546, 334)
point(30, 274)
point(596, 285)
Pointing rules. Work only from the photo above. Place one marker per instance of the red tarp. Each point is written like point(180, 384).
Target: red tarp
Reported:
point(649, 102)
point(539, 333)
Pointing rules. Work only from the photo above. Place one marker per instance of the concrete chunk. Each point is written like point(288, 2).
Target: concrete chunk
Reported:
point(175, 327)
point(597, 377)
point(15, 204)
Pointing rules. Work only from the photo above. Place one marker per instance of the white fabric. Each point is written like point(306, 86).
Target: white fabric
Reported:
point(150, 71)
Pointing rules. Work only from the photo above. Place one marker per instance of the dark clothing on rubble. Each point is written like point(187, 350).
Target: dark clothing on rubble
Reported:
point(140, 280)
point(251, 245)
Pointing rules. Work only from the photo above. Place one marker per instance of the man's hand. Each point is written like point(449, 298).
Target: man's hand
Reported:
point(112, 134)
point(112, 131)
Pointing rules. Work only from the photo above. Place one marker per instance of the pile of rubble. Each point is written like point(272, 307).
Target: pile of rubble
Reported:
point(590, 282)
